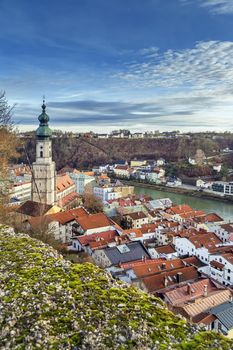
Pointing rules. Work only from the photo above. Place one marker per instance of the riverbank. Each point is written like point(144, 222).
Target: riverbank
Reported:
point(178, 190)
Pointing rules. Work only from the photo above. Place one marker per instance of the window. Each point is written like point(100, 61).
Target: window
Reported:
point(41, 154)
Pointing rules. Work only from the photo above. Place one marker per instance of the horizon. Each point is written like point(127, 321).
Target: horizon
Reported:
point(104, 65)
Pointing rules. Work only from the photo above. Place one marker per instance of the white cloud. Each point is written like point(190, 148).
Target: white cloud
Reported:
point(207, 66)
point(215, 6)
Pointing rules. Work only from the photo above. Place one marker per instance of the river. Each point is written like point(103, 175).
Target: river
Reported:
point(225, 210)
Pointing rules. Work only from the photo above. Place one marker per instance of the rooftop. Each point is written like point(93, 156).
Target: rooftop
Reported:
point(134, 251)
point(188, 292)
point(32, 208)
point(94, 221)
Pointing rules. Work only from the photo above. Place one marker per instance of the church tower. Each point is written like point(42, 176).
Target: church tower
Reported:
point(44, 169)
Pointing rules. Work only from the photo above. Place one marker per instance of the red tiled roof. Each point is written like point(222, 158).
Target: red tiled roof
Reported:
point(95, 237)
point(165, 249)
point(158, 266)
point(222, 250)
point(216, 264)
point(228, 257)
point(213, 217)
point(208, 240)
point(136, 216)
point(193, 261)
point(63, 182)
point(133, 233)
point(204, 318)
point(62, 217)
point(122, 167)
point(192, 214)
point(181, 295)
point(68, 199)
point(167, 279)
point(94, 221)
point(228, 227)
point(147, 228)
point(180, 209)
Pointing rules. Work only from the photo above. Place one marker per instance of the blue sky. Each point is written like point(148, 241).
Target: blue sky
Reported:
point(110, 64)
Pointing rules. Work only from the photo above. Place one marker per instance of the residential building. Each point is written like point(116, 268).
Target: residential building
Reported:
point(119, 254)
point(137, 219)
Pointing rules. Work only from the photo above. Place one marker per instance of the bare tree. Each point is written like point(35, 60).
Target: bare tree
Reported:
point(8, 145)
point(92, 203)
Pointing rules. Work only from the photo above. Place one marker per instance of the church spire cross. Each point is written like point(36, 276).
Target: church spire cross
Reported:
point(43, 105)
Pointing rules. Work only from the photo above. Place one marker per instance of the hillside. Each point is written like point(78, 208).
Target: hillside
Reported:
point(85, 153)
point(49, 303)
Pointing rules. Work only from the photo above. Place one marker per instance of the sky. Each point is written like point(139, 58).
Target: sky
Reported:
point(112, 64)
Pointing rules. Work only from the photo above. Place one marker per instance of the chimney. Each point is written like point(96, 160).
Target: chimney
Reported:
point(189, 289)
point(205, 290)
point(165, 281)
point(163, 266)
point(179, 277)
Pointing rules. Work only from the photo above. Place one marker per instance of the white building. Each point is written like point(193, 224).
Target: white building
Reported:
point(221, 268)
point(21, 191)
point(106, 193)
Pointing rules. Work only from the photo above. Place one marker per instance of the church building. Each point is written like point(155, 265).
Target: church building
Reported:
point(44, 169)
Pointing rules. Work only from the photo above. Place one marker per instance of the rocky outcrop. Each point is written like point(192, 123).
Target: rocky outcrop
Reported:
point(48, 303)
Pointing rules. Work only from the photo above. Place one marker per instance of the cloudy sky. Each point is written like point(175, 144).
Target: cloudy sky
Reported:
point(110, 64)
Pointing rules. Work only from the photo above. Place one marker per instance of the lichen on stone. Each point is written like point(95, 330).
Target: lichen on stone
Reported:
point(48, 303)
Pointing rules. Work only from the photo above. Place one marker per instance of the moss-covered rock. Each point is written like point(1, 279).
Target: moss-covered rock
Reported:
point(49, 303)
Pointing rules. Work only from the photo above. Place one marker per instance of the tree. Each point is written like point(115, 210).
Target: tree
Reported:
point(8, 145)
point(92, 203)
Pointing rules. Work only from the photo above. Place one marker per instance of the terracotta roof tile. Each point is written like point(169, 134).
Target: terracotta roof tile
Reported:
point(204, 303)
point(167, 279)
point(94, 221)
point(216, 264)
point(208, 240)
point(158, 266)
point(180, 209)
point(69, 198)
point(165, 249)
point(136, 216)
point(63, 182)
point(188, 292)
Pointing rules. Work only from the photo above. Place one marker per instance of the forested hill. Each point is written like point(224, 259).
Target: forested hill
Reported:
point(86, 152)
point(48, 303)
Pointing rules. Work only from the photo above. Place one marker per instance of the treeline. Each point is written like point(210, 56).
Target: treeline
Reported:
point(85, 153)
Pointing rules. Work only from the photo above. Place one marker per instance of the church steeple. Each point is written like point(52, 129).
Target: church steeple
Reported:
point(44, 170)
point(43, 131)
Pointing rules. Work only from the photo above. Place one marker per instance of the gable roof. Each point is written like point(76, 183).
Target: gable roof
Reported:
point(158, 266)
point(137, 215)
point(165, 249)
point(167, 279)
point(180, 209)
point(94, 221)
point(63, 182)
point(103, 237)
point(208, 240)
point(204, 303)
point(181, 295)
point(32, 208)
point(62, 217)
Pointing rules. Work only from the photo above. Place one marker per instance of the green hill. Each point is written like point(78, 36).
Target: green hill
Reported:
point(48, 303)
